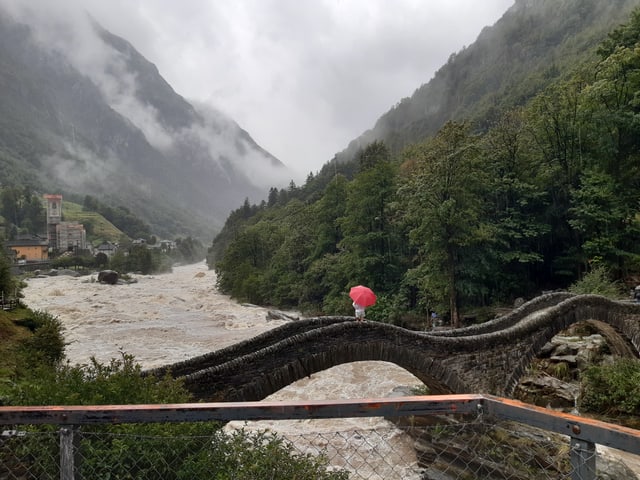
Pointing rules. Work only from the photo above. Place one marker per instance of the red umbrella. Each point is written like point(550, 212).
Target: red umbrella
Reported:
point(362, 295)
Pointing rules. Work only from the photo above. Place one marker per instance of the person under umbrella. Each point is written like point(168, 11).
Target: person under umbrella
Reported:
point(362, 297)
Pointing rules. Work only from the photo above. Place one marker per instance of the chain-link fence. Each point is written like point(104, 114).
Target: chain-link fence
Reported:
point(434, 447)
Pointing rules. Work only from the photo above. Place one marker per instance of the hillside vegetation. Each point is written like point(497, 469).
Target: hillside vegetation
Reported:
point(98, 228)
point(530, 47)
point(530, 197)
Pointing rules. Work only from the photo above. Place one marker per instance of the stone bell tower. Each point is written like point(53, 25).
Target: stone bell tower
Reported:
point(54, 218)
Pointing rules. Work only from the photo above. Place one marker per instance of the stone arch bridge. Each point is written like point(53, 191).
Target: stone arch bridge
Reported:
point(485, 358)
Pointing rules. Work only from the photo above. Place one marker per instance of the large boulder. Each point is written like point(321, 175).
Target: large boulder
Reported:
point(108, 276)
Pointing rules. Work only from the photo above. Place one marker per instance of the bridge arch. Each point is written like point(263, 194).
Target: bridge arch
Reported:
point(617, 322)
point(480, 359)
point(259, 374)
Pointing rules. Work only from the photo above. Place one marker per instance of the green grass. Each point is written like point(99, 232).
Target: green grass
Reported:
point(98, 228)
point(10, 336)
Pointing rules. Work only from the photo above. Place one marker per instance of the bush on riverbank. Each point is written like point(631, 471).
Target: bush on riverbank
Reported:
point(612, 389)
point(169, 451)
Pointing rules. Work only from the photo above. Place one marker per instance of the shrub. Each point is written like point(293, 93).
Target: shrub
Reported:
point(561, 371)
point(159, 450)
point(612, 389)
point(46, 346)
point(597, 281)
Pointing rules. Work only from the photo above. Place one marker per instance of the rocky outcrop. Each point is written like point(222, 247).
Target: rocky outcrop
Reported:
point(554, 378)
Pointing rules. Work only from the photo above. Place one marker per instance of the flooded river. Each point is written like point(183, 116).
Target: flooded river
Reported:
point(162, 319)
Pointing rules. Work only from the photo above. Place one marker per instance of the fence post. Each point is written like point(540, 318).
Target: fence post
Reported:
point(67, 459)
point(583, 460)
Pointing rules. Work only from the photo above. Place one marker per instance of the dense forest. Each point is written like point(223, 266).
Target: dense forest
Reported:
point(486, 210)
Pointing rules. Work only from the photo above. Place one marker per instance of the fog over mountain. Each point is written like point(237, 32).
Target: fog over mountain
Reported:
point(83, 112)
point(497, 71)
point(304, 78)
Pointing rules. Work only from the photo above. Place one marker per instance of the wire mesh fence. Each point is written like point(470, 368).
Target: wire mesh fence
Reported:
point(443, 447)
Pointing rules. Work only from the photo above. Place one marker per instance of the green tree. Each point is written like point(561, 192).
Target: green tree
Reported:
point(326, 284)
point(190, 249)
point(23, 209)
point(102, 260)
point(556, 127)
point(516, 205)
point(10, 205)
point(273, 197)
point(327, 212)
point(606, 221)
point(444, 214)
point(139, 258)
point(604, 205)
point(370, 246)
point(234, 224)
point(291, 258)
point(8, 283)
point(241, 271)
point(323, 282)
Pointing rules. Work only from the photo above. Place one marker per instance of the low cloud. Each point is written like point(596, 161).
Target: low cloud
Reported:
point(80, 169)
point(216, 139)
point(303, 78)
point(224, 141)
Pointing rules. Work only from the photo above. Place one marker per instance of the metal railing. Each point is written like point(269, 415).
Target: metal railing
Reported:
point(428, 437)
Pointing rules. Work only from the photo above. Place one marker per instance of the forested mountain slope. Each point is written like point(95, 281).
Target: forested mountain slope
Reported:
point(533, 44)
point(108, 125)
point(539, 192)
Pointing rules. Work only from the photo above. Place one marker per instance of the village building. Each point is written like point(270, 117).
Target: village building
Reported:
point(60, 237)
point(108, 248)
point(166, 246)
point(63, 236)
point(29, 248)
point(71, 237)
point(53, 204)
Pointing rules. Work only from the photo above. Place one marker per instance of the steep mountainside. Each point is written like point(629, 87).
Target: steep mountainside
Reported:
point(535, 42)
point(109, 125)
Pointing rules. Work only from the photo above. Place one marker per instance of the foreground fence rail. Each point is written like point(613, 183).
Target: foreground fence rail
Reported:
point(425, 437)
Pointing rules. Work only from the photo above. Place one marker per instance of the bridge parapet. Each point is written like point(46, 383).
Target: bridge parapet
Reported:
point(504, 321)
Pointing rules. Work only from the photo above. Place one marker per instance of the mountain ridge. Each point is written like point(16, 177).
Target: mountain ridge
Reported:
point(111, 126)
point(469, 86)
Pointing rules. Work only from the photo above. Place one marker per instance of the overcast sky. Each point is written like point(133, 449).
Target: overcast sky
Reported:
point(303, 77)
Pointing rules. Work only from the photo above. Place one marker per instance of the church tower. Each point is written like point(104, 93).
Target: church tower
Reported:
point(54, 218)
